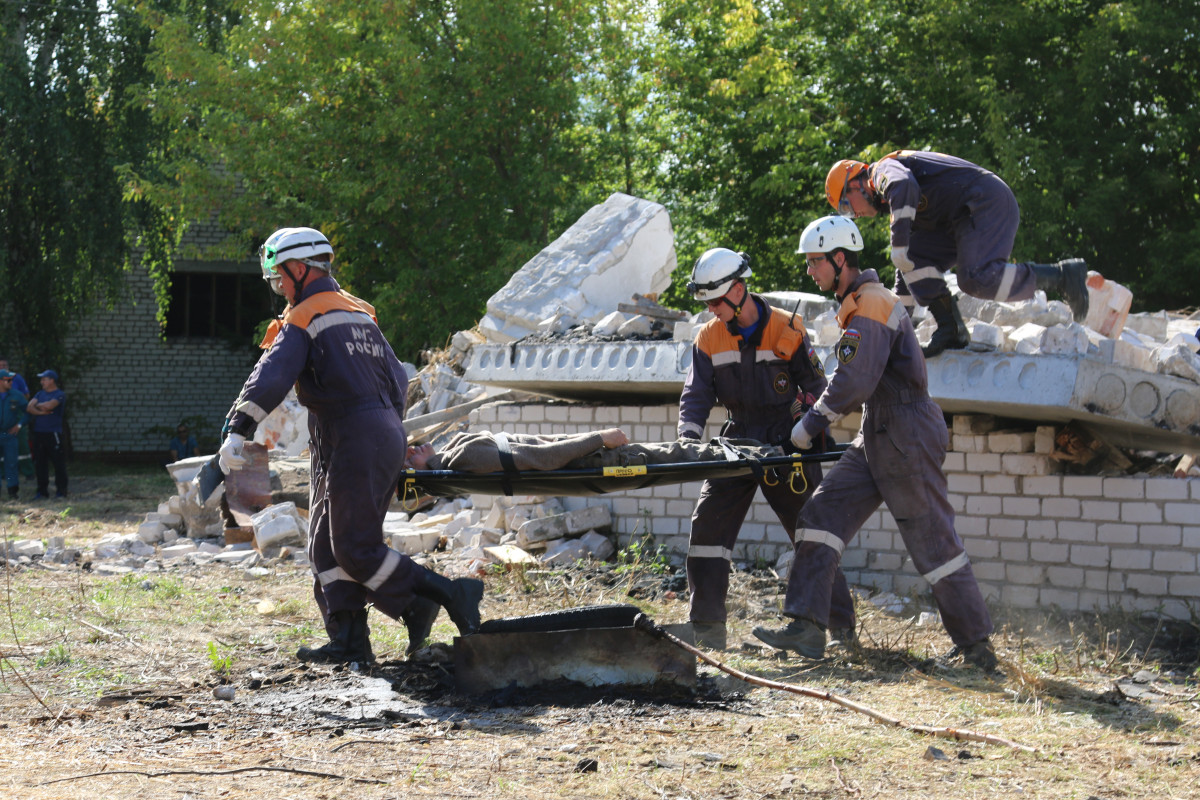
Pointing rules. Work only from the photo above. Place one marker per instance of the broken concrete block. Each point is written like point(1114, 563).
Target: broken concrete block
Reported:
point(622, 247)
point(495, 517)
point(572, 523)
point(277, 531)
point(508, 554)
point(1176, 360)
point(462, 342)
point(1056, 313)
point(1187, 340)
point(278, 525)
point(420, 540)
point(178, 550)
point(598, 545)
point(1151, 326)
point(638, 326)
point(1027, 338)
point(559, 323)
point(1069, 339)
point(566, 551)
point(151, 532)
point(1126, 352)
point(516, 519)
point(985, 336)
point(684, 331)
point(28, 547)
point(609, 324)
point(1108, 305)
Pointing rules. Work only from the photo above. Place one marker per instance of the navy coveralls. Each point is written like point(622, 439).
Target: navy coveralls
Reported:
point(355, 389)
point(756, 381)
point(896, 459)
point(947, 212)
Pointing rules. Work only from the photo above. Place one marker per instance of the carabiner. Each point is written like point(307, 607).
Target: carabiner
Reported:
point(797, 469)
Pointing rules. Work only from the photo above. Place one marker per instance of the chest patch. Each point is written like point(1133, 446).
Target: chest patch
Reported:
point(781, 383)
point(847, 348)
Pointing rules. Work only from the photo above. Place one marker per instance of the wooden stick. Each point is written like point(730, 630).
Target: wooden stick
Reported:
point(165, 773)
point(642, 622)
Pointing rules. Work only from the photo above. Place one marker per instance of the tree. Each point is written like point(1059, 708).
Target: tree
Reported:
point(426, 138)
point(61, 213)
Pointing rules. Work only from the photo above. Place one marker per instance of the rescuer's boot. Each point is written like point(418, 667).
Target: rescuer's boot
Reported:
point(951, 333)
point(460, 597)
point(418, 619)
point(802, 636)
point(349, 640)
point(1067, 278)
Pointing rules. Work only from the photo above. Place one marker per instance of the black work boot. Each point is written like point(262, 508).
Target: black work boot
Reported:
point(460, 597)
point(1069, 279)
point(951, 333)
point(981, 654)
point(12, 492)
point(709, 634)
point(845, 638)
point(802, 636)
point(350, 641)
point(418, 620)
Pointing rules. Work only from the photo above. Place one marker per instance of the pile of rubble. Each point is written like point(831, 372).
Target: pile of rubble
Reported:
point(598, 281)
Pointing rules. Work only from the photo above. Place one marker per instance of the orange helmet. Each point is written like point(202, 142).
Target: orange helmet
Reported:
point(839, 175)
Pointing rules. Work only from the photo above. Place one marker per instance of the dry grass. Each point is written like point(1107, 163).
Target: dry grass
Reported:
point(106, 691)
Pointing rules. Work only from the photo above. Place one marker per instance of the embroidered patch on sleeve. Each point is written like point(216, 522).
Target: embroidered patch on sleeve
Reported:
point(847, 348)
point(815, 360)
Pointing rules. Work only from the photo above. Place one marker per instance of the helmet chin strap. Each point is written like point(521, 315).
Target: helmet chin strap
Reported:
point(737, 309)
point(837, 278)
point(298, 282)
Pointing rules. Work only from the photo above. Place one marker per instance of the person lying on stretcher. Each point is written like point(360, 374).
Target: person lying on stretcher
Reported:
point(479, 451)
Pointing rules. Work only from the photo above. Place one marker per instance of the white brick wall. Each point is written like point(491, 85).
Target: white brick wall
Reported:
point(1036, 537)
point(141, 380)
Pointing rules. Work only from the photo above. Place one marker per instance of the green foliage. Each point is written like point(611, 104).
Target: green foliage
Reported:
point(643, 555)
point(427, 142)
point(59, 655)
point(221, 663)
point(441, 143)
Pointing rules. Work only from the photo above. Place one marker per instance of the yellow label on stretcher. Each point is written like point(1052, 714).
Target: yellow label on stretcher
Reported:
point(624, 472)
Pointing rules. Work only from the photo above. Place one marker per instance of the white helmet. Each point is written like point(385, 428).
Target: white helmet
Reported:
point(286, 244)
point(715, 272)
point(830, 233)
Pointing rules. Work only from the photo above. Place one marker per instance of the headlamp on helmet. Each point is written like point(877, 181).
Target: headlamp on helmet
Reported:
point(299, 244)
point(715, 272)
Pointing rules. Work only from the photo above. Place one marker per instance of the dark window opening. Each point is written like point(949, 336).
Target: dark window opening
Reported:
point(223, 305)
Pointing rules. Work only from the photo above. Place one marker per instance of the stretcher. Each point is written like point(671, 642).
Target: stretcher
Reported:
point(605, 480)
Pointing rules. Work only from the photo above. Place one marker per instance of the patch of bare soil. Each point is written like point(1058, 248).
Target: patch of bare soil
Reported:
point(183, 683)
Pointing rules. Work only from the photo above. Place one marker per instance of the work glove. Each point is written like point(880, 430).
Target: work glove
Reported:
point(801, 438)
point(230, 455)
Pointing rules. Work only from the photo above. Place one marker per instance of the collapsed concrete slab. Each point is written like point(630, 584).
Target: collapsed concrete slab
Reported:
point(616, 249)
point(1132, 408)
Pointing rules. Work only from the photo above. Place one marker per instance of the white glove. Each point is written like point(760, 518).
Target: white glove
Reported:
point(801, 438)
point(230, 455)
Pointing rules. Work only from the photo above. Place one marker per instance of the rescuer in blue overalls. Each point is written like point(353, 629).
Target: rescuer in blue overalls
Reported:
point(355, 389)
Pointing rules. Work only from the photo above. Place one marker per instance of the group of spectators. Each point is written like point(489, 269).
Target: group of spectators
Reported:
point(36, 422)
